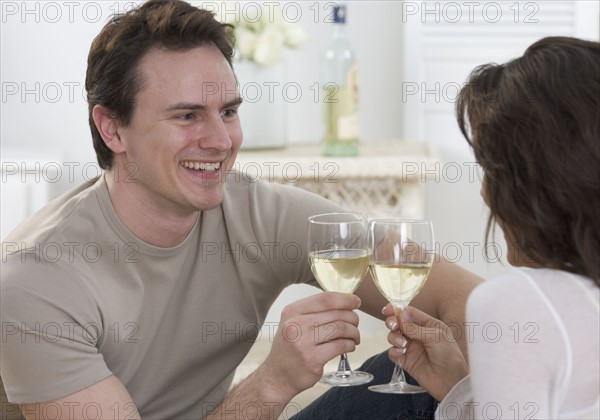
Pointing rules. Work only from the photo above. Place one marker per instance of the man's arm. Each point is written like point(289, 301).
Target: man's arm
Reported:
point(311, 332)
point(107, 399)
point(444, 296)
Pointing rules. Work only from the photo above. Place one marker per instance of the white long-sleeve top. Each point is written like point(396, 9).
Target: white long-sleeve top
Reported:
point(534, 349)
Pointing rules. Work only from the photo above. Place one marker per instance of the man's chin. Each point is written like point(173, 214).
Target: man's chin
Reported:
point(209, 203)
point(207, 207)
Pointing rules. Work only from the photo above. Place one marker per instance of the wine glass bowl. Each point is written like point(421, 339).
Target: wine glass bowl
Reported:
point(400, 258)
point(338, 256)
point(339, 270)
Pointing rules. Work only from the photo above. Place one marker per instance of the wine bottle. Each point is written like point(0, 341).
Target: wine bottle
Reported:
point(340, 91)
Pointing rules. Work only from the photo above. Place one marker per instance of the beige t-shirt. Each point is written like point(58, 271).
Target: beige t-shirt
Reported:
point(82, 297)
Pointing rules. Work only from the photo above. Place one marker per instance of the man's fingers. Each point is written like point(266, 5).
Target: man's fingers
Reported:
point(326, 326)
point(323, 318)
point(335, 331)
point(333, 349)
point(325, 301)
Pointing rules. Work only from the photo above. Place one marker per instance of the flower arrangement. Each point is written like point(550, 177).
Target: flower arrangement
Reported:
point(262, 40)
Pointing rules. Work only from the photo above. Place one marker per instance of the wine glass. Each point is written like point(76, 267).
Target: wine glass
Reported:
point(400, 257)
point(337, 252)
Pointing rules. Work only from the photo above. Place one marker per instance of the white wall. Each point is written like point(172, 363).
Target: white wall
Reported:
point(44, 51)
point(43, 71)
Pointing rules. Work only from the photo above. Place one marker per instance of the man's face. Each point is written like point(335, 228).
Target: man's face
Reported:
point(185, 132)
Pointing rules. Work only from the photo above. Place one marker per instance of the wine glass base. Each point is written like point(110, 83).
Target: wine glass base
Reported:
point(354, 378)
point(399, 388)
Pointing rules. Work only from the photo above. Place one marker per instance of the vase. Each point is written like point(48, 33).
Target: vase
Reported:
point(263, 112)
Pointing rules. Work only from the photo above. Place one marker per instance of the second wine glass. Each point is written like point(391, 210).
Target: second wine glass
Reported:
point(400, 257)
point(338, 256)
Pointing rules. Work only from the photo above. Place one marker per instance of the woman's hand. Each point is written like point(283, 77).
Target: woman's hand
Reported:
point(425, 348)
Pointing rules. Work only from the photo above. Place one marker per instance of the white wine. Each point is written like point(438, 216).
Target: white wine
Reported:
point(400, 283)
point(339, 270)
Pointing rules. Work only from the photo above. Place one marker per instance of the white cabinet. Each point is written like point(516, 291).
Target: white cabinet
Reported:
point(385, 180)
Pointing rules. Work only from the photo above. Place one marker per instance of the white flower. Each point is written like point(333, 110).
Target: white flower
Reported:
point(262, 40)
point(269, 46)
point(295, 35)
point(255, 25)
point(245, 42)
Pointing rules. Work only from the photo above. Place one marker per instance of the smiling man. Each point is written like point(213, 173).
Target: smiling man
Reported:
point(181, 141)
point(168, 263)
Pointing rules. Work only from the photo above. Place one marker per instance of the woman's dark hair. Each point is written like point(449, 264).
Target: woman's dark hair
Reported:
point(113, 79)
point(534, 126)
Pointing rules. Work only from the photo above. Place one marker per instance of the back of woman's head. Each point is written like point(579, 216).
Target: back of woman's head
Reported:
point(534, 125)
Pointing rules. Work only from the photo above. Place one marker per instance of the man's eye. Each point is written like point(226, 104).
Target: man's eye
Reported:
point(230, 112)
point(186, 117)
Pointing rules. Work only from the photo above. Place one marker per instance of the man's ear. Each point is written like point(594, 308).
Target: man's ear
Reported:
point(108, 127)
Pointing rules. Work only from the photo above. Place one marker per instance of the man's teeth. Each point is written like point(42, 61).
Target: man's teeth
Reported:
point(201, 166)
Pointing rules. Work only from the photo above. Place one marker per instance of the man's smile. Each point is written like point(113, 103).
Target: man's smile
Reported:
point(201, 166)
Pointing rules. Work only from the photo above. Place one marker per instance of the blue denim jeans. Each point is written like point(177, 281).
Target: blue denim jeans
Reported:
point(357, 402)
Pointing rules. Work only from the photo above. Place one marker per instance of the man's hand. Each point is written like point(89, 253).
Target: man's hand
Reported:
point(311, 332)
point(425, 348)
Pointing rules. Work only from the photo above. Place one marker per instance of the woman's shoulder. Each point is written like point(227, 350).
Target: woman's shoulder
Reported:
point(529, 289)
point(508, 283)
point(524, 278)
point(512, 292)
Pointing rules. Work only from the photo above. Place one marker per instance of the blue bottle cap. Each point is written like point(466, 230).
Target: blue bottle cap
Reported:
point(339, 13)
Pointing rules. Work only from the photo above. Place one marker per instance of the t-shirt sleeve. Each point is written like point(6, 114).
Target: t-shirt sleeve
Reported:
point(50, 327)
point(516, 350)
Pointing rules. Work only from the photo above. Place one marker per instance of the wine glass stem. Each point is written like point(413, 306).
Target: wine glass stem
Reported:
point(398, 374)
point(343, 370)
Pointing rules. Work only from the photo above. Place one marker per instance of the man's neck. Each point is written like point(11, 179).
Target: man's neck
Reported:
point(154, 225)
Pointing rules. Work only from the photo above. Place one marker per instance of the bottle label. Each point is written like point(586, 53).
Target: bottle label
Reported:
point(341, 109)
point(340, 114)
point(347, 127)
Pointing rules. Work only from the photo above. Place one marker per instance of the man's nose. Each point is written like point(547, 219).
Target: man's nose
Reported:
point(215, 135)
